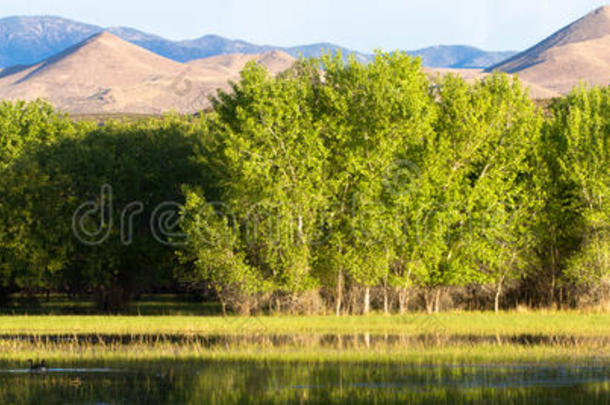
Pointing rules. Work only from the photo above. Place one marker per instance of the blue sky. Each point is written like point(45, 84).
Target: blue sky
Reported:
point(358, 24)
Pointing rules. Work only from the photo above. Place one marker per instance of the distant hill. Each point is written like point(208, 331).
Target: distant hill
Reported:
point(27, 40)
point(105, 74)
point(83, 69)
point(232, 64)
point(459, 56)
point(30, 39)
point(580, 51)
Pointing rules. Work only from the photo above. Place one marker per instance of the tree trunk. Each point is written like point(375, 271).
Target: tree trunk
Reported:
point(428, 300)
point(386, 302)
point(367, 301)
point(437, 301)
point(403, 299)
point(497, 297)
point(339, 297)
point(278, 305)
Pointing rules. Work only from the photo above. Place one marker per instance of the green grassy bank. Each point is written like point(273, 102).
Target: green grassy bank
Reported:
point(454, 323)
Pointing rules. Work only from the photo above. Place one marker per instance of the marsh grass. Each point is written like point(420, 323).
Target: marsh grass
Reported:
point(446, 338)
point(453, 323)
point(158, 305)
point(71, 353)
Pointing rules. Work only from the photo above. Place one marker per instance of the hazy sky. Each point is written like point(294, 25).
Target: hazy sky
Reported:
point(357, 24)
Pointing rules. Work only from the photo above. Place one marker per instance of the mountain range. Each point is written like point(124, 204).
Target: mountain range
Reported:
point(578, 52)
point(105, 74)
point(122, 70)
point(25, 40)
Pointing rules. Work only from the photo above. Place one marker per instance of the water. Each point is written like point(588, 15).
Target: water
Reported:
point(198, 382)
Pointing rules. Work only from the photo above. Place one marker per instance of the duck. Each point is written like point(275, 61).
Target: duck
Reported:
point(38, 368)
point(76, 382)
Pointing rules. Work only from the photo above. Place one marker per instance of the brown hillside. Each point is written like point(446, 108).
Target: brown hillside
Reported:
point(578, 52)
point(274, 61)
point(105, 74)
point(535, 91)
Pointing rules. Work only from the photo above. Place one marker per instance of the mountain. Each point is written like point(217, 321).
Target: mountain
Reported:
point(105, 74)
point(232, 64)
point(30, 39)
point(460, 56)
point(26, 40)
point(536, 91)
point(578, 52)
point(315, 50)
point(184, 51)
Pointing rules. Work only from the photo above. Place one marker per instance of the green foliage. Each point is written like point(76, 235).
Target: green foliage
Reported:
point(24, 127)
point(127, 171)
point(581, 125)
point(334, 177)
point(488, 132)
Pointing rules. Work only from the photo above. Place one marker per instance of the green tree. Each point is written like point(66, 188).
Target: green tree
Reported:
point(24, 127)
point(80, 210)
point(502, 128)
point(581, 127)
point(273, 162)
point(371, 115)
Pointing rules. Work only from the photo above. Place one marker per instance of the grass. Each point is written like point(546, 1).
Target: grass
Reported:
point(63, 354)
point(103, 117)
point(449, 324)
point(158, 304)
point(161, 316)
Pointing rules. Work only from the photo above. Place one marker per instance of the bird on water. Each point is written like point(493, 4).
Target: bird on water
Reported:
point(39, 367)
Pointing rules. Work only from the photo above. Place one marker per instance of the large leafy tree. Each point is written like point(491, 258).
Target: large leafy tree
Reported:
point(273, 162)
point(580, 131)
point(467, 217)
point(499, 128)
point(24, 127)
point(88, 209)
point(372, 115)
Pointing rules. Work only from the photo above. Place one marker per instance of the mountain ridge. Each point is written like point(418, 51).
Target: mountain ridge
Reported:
point(459, 56)
point(106, 74)
point(594, 25)
point(577, 52)
point(25, 40)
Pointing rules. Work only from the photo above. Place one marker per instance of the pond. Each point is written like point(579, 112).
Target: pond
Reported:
point(236, 382)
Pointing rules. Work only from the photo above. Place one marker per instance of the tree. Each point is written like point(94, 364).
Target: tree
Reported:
point(581, 126)
point(24, 127)
point(80, 210)
point(505, 128)
point(371, 116)
point(273, 163)
point(470, 211)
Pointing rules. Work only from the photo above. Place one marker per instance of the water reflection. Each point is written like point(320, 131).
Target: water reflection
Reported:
point(62, 370)
point(339, 341)
point(235, 382)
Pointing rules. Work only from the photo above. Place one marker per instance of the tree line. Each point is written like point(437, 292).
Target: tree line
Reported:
point(332, 187)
